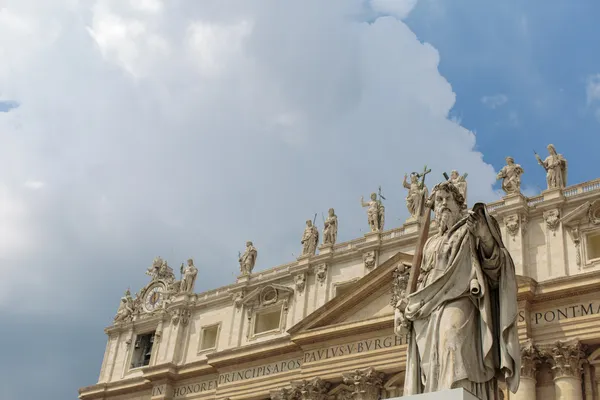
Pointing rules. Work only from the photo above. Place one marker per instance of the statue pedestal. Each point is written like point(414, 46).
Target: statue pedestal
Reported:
point(411, 226)
point(514, 198)
point(454, 394)
point(372, 237)
point(243, 278)
point(550, 194)
point(325, 249)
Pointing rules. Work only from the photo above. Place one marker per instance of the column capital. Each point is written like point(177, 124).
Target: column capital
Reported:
point(313, 389)
point(366, 383)
point(530, 359)
point(566, 359)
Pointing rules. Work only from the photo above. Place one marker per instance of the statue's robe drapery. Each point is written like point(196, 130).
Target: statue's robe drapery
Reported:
point(463, 315)
point(556, 167)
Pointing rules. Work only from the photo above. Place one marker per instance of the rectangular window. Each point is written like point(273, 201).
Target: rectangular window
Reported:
point(593, 246)
point(210, 334)
point(142, 350)
point(267, 321)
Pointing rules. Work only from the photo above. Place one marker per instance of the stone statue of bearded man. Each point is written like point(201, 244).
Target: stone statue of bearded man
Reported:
point(462, 318)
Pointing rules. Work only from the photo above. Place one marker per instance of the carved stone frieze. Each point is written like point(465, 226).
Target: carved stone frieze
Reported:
point(566, 359)
point(370, 259)
point(300, 282)
point(594, 213)
point(238, 298)
point(530, 359)
point(321, 273)
point(366, 383)
point(576, 236)
point(552, 219)
point(313, 389)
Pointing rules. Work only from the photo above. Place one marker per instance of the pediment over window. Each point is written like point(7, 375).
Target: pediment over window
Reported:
point(588, 212)
point(267, 295)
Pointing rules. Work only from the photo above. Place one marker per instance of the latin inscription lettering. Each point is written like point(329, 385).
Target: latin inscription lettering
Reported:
point(562, 313)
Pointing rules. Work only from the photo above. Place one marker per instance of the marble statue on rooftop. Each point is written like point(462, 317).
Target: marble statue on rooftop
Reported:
point(189, 277)
point(511, 176)
point(462, 318)
point(331, 228)
point(556, 168)
point(375, 212)
point(310, 239)
point(460, 181)
point(248, 259)
point(125, 311)
point(417, 193)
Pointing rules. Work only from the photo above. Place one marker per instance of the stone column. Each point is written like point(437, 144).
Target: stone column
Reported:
point(366, 383)
point(314, 389)
point(566, 360)
point(529, 363)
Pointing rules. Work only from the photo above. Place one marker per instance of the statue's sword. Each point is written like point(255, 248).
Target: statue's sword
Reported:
point(424, 221)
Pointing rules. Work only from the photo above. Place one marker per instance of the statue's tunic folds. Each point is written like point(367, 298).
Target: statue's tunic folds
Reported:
point(463, 315)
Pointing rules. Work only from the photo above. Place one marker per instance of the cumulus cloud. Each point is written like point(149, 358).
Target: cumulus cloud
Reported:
point(494, 101)
point(397, 8)
point(183, 129)
point(593, 94)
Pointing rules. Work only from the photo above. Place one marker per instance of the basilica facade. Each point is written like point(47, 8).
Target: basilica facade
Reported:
point(322, 327)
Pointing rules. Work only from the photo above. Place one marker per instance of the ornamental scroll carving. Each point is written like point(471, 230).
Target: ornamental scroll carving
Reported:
point(321, 273)
point(300, 282)
point(366, 383)
point(399, 283)
point(370, 259)
point(552, 219)
point(566, 359)
point(512, 224)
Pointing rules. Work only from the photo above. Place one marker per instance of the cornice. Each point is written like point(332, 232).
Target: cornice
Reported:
point(558, 288)
point(259, 350)
point(340, 330)
point(103, 390)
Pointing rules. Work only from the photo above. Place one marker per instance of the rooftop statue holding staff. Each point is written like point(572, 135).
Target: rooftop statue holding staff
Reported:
point(375, 212)
point(460, 311)
point(556, 168)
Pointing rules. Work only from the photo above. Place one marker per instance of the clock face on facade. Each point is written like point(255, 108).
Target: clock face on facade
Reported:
point(153, 298)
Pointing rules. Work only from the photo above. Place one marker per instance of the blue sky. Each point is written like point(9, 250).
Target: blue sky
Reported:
point(134, 142)
point(540, 56)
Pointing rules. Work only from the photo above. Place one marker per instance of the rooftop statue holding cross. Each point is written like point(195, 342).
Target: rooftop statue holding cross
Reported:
point(417, 192)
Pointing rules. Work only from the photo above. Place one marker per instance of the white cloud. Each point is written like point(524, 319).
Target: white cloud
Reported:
point(186, 128)
point(397, 8)
point(494, 101)
point(592, 90)
point(34, 185)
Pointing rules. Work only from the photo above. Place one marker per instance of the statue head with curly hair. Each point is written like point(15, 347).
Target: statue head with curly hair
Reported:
point(448, 204)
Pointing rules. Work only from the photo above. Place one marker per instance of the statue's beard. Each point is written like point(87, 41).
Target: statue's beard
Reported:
point(445, 219)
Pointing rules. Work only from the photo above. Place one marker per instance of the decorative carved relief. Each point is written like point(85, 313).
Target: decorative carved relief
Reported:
point(576, 236)
point(566, 359)
point(530, 359)
point(594, 213)
point(238, 298)
point(285, 394)
point(512, 225)
point(321, 273)
point(180, 315)
point(366, 383)
point(370, 259)
point(300, 282)
point(399, 283)
point(314, 389)
point(552, 219)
